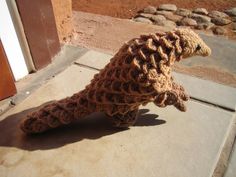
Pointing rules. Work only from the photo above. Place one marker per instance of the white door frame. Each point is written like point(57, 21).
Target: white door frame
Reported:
point(11, 43)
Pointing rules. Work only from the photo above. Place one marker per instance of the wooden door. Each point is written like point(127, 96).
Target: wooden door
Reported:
point(7, 85)
point(40, 29)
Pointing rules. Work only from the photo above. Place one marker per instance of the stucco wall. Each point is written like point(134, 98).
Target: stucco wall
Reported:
point(63, 13)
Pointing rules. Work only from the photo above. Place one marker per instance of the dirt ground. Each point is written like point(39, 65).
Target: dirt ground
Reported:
point(128, 8)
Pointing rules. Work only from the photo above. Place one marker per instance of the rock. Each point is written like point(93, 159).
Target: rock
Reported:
point(234, 26)
point(201, 11)
point(199, 27)
point(201, 18)
point(220, 21)
point(166, 23)
point(183, 12)
point(168, 7)
point(173, 17)
point(206, 26)
point(219, 30)
point(142, 20)
point(163, 12)
point(144, 15)
point(187, 22)
point(215, 14)
point(158, 19)
point(169, 15)
point(150, 10)
point(159, 22)
point(170, 24)
point(233, 19)
point(231, 12)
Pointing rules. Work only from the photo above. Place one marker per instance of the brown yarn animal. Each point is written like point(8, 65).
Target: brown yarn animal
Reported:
point(138, 74)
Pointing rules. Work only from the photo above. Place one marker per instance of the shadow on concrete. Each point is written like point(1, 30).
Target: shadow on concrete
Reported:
point(92, 127)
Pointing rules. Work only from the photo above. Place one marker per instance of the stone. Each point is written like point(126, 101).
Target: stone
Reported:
point(234, 26)
point(164, 12)
point(142, 20)
point(233, 19)
point(159, 22)
point(187, 22)
point(231, 12)
point(201, 11)
point(200, 18)
point(169, 24)
point(170, 16)
point(144, 15)
point(219, 30)
point(183, 12)
point(158, 19)
point(206, 26)
point(215, 14)
point(150, 10)
point(200, 27)
point(173, 17)
point(220, 21)
point(167, 7)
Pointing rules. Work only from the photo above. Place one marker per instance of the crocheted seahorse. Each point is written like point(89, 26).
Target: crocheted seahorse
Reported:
point(139, 73)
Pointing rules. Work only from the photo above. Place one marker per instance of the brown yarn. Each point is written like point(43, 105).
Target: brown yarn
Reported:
point(138, 74)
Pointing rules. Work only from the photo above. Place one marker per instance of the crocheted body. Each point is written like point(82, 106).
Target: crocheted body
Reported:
point(138, 74)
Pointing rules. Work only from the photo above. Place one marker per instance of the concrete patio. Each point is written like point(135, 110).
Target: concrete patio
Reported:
point(163, 143)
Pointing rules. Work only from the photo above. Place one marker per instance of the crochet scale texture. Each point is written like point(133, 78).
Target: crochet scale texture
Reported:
point(139, 73)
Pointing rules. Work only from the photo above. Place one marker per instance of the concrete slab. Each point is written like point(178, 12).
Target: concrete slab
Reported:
point(33, 81)
point(200, 89)
point(64, 84)
point(222, 57)
point(164, 142)
point(5, 105)
point(94, 59)
point(208, 91)
point(231, 170)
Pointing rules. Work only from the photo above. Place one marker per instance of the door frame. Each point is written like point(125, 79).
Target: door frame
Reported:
point(11, 43)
